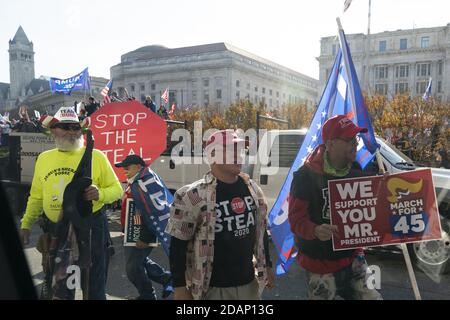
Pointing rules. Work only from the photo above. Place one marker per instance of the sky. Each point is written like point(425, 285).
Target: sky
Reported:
point(71, 35)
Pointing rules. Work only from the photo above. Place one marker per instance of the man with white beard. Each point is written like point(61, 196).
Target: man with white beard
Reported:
point(53, 171)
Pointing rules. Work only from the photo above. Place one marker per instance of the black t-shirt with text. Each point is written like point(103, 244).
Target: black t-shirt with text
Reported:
point(235, 235)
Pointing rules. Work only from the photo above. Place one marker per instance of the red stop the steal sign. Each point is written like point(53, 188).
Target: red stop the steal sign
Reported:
point(123, 128)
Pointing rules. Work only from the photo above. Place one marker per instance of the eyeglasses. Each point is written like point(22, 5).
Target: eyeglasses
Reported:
point(67, 126)
point(353, 141)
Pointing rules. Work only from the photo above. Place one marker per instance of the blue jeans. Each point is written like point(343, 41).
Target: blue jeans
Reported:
point(141, 271)
point(99, 255)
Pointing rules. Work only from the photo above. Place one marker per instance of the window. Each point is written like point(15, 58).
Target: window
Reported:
point(270, 103)
point(270, 92)
point(153, 86)
point(402, 71)
point(237, 83)
point(206, 82)
point(421, 87)
point(248, 86)
point(381, 89)
point(142, 87)
point(263, 90)
point(219, 94)
point(425, 42)
point(439, 87)
point(382, 46)
point(381, 72)
point(278, 94)
point(206, 97)
point(132, 88)
point(440, 68)
point(142, 98)
point(238, 95)
point(423, 69)
point(401, 88)
point(194, 95)
point(403, 44)
point(256, 89)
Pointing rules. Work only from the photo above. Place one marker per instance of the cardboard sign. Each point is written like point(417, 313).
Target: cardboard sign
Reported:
point(123, 128)
point(373, 211)
point(133, 224)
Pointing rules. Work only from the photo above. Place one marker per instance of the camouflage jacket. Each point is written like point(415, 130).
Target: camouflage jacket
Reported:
point(193, 219)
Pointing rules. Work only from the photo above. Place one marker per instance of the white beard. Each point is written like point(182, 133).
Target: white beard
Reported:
point(70, 143)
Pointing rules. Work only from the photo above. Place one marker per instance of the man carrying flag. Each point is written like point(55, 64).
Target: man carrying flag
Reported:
point(342, 96)
point(329, 273)
point(152, 200)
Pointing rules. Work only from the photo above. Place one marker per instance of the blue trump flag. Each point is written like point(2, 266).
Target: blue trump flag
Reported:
point(342, 95)
point(153, 200)
point(66, 86)
point(427, 92)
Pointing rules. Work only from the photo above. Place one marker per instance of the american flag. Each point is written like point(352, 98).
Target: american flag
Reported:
point(165, 96)
point(105, 92)
point(194, 197)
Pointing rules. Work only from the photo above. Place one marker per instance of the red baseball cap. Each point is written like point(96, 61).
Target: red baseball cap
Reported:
point(223, 138)
point(340, 127)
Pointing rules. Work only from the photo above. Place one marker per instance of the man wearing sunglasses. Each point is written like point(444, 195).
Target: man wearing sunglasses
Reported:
point(329, 273)
point(218, 224)
point(53, 171)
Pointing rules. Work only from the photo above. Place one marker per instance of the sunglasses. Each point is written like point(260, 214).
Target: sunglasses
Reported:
point(353, 141)
point(67, 126)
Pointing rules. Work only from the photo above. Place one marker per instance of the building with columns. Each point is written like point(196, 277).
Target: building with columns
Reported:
point(215, 74)
point(396, 62)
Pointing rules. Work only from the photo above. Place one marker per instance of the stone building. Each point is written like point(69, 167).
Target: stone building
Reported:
point(210, 75)
point(395, 62)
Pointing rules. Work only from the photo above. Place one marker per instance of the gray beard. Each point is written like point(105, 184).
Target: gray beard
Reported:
point(69, 143)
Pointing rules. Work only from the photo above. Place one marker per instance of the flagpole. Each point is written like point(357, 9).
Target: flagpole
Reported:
point(345, 53)
point(366, 74)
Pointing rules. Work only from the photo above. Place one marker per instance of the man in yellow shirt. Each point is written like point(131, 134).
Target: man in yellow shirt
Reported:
point(53, 171)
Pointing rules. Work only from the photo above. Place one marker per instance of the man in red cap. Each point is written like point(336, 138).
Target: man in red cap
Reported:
point(329, 272)
point(218, 224)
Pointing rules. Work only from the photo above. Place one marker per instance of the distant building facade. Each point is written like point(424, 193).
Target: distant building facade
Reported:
point(397, 62)
point(210, 75)
point(24, 89)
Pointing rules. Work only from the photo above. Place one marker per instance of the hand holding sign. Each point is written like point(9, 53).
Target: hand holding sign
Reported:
point(324, 232)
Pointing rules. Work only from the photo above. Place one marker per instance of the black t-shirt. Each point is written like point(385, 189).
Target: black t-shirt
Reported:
point(235, 235)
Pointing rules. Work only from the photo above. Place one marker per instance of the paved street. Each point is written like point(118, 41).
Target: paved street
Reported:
point(394, 276)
